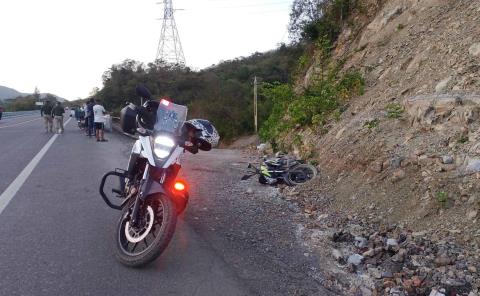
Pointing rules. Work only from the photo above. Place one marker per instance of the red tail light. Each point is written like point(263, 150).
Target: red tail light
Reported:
point(179, 186)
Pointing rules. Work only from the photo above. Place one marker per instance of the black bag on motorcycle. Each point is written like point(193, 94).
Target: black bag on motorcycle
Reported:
point(128, 119)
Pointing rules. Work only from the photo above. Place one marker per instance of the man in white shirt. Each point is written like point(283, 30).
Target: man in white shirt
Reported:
point(99, 120)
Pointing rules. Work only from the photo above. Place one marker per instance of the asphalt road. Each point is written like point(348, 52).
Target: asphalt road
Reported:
point(57, 234)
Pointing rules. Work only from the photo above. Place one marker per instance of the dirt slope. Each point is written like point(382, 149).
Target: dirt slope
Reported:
point(407, 153)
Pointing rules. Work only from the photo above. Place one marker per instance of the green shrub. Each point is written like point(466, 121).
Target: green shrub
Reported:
point(371, 123)
point(442, 198)
point(394, 110)
point(463, 140)
point(316, 106)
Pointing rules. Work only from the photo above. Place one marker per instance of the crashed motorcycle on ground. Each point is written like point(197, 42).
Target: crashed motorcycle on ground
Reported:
point(282, 170)
point(149, 194)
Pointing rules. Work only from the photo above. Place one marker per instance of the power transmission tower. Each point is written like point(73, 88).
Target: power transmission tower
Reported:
point(169, 46)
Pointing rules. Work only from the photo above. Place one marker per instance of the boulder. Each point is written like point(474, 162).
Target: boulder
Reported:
point(442, 85)
point(447, 159)
point(474, 50)
point(355, 259)
point(430, 110)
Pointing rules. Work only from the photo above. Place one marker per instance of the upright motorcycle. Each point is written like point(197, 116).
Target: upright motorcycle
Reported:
point(150, 195)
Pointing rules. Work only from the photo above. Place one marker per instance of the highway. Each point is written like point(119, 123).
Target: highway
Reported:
point(57, 234)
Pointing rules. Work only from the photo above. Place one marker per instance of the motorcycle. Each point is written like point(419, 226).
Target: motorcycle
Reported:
point(282, 169)
point(151, 195)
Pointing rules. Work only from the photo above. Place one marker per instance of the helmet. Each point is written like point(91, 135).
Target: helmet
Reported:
point(206, 135)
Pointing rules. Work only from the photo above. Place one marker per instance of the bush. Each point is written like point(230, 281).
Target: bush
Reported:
point(371, 124)
point(442, 198)
point(317, 106)
point(394, 110)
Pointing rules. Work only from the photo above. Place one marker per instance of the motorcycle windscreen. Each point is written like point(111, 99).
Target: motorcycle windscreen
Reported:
point(170, 117)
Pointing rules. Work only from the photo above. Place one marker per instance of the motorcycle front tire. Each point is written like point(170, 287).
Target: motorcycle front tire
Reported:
point(161, 241)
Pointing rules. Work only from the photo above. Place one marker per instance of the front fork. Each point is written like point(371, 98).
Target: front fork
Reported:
point(145, 184)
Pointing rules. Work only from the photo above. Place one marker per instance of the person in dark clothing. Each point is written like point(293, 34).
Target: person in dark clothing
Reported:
point(1, 112)
point(90, 117)
point(46, 113)
point(57, 113)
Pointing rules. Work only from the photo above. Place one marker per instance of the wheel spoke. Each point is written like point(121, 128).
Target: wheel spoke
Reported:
point(145, 243)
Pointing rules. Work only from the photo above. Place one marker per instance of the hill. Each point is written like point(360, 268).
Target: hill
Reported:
point(399, 158)
point(8, 93)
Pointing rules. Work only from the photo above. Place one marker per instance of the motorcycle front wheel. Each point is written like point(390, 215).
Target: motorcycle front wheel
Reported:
point(301, 174)
point(140, 245)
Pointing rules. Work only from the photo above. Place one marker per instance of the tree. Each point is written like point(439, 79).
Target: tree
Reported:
point(36, 94)
point(303, 12)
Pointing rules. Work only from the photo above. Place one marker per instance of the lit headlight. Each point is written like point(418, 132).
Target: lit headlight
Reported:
point(162, 146)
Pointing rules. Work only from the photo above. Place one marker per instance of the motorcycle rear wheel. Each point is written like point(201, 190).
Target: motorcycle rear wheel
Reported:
point(301, 174)
point(137, 247)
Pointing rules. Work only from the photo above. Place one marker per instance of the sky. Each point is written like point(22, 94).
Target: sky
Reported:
point(64, 46)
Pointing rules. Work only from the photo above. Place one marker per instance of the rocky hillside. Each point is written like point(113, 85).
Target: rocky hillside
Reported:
point(404, 158)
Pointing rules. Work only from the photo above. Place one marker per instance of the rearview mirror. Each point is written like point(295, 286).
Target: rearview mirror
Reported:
point(143, 92)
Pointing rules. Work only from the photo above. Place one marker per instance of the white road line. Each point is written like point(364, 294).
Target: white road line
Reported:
point(13, 188)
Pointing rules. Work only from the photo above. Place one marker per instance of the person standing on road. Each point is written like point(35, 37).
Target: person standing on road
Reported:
point(1, 112)
point(57, 113)
point(90, 117)
point(99, 118)
point(46, 113)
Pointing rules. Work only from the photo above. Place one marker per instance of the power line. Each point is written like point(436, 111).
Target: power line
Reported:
point(169, 46)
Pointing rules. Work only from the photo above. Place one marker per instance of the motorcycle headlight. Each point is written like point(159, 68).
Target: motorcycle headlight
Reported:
point(163, 146)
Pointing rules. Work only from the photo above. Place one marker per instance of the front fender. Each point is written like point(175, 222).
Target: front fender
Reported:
point(180, 199)
point(156, 187)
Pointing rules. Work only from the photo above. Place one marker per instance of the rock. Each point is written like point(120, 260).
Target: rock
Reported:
point(398, 175)
point(396, 162)
point(435, 292)
point(355, 259)
point(337, 255)
point(369, 253)
point(262, 147)
point(387, 275)
point(472, 214)
point(472, 269)
point(442, 260)
point(388, 284)
point(419, 234)
point(340, 133)
point(249, 190)
point(375, 273)
point(376, 167)
point(472, 200)
point(416, 281)
point(474, 50)
point(442, 85)
point(360, 242)
point(473, 165)
point(340, 237)
point(391, 242)
point(447, 159)
point(400, 256)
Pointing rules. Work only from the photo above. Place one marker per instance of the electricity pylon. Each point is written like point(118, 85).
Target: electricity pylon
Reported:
point(169, 46)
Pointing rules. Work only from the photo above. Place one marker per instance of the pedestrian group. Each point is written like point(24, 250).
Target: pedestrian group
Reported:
point(90, 117)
